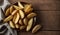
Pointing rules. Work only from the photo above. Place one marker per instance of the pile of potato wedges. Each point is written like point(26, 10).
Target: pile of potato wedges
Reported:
point(21, 17)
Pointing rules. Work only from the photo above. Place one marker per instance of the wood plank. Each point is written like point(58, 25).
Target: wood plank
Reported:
point(42, 4)
point(41, 33)
point(50, 20)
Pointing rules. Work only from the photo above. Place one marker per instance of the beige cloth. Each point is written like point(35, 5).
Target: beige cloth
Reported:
point(4, 27)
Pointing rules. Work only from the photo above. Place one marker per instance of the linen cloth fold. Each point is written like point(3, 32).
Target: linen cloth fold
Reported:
point(4, 27)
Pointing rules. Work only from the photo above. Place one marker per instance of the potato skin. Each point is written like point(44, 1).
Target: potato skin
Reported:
point(30, 22)
point(7, 12)
point(21, 22)
point(17, 26)
point(17, 18)
point(36, 28)
point(22, 27)
point(8, 18)
point(25, 21)
point(11, 24)
point(31, 15)
point(21, 14)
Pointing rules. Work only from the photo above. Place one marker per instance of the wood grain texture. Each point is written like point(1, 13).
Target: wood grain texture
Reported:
point(42, 4)
point(50, 20)
point(41, 33)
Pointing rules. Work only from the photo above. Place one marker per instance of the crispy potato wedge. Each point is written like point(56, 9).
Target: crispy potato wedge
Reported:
point(31, 15)
point(14, 12)
point(17, 18)
point(21, 14)
point(25, 21)
point(29, 11)
point(14, 17)
point(30, 22)
point(8, 18)
point(36, 28)
point(17, 26)
point(22, 27)
point(11, 24)
point(20, 5)
point(11, 9)
point(16, 7)
point(7, 12)
point(27, 8)
point(20, 22)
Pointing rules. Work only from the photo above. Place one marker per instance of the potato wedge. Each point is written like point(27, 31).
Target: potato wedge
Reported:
point(22, 27)
point(16, 7)
point(30, 22)
point(21, 14)
point(20, 5)
point(20, 22)
point(36, 28)
point(27, 8)
point(14, 12)
point(31, 15)
point(11, 24)
point(7, 12)
point(8, 18)
point(25, 21)
point(29, 11)
point(17, 18)
point(11, 9)
point(17, 26)
point(14, 17)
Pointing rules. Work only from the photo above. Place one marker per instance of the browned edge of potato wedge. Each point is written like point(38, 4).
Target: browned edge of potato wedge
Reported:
point(25, 21)
point(30, 22)
point(11, 24)
point(22, 27)
point(11, 9)
point(17, 26)
point(17, 18)
point(21, 22)
point(36, 28)
point(28, 8)
point(31, 15)
point(7, 12)
point(8, 18)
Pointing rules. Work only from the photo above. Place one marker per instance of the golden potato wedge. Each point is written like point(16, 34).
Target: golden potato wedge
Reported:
point(17, 18)
point(31, 15)
point(27, 8)
point(30, 22)
point(29, 11)
point(11, 24)
point(7, 12)
point(20, 5)
point(8, 18)
point(25, 21)
point(20, 22)
point(11, 9)
point(14, 12)
point(14, 18)
point(17, 26)
point(16, 7)
point(36, 28)
point(21, 14)
point(22, 27)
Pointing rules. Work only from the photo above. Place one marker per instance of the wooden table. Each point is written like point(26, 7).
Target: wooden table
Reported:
point(48, 16)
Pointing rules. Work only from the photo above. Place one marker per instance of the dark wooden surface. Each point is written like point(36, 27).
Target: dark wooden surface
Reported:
point(48, 16)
